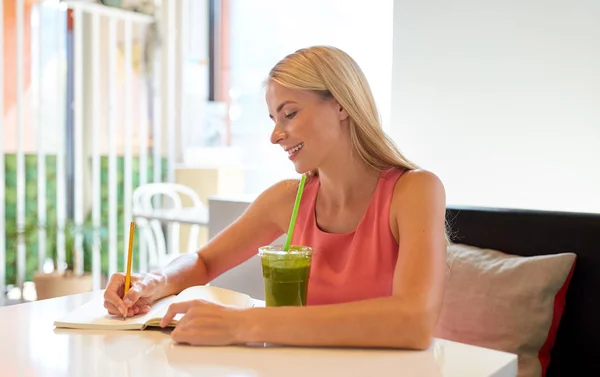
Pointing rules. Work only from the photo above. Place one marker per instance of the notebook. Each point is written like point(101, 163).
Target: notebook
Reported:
point(93, 315)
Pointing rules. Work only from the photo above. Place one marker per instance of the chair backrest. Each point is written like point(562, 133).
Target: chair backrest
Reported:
point(148, 199)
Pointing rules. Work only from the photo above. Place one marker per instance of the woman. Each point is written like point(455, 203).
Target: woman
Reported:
point(376, 223)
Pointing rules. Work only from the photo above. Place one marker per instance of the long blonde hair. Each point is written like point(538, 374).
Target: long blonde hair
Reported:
point(329, 71)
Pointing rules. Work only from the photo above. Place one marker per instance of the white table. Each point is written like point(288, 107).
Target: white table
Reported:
point(188, 215)
point(31, 346)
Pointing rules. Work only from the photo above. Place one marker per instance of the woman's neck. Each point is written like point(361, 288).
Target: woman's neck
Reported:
point(347, 180)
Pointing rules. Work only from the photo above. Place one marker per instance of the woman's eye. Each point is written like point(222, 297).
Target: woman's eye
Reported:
point(291, 115)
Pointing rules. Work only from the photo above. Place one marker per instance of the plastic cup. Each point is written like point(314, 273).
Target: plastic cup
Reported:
point(285, 274)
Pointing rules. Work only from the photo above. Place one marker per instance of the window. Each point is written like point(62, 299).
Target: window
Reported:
point(264, 31)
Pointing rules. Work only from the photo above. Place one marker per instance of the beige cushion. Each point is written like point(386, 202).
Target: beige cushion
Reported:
point(504, 302)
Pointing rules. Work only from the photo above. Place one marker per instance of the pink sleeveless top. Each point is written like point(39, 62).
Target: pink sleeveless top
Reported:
point(352, 266)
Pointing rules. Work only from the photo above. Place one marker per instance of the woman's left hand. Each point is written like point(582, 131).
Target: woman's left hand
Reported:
point(204, 323)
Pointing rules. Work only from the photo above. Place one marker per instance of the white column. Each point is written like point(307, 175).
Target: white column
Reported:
point(78, 136)
point(143, 120)
point(171, 50)
point(158, 101)
point(157, 121)
point(127, 174)
point(112, 146)
point(96, 198)
point(61, 178)
point(37, 28)
point(21, 263)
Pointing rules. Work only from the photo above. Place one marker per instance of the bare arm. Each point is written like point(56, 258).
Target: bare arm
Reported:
point(404, 320)
point(262, 222)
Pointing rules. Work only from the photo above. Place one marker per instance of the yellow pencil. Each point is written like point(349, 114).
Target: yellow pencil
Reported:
point(129, 257)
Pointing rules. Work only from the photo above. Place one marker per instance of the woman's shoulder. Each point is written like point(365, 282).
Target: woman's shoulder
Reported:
point(280, 191)
point(417, 185)
point(288, 188)
point(279, 198)
point(419, 177)
point(274, 204)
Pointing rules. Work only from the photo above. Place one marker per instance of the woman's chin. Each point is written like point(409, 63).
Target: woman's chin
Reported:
point(302, 168)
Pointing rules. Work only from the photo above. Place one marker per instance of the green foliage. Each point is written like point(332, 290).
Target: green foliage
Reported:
point(70, 230)
point(29, 234)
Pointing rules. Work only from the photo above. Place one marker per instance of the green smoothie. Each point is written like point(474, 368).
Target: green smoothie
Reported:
point(285, 274)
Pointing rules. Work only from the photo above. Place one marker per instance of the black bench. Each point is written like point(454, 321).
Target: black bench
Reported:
point(528, 233)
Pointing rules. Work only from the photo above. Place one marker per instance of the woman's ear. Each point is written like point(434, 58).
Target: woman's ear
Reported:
point(342, 114)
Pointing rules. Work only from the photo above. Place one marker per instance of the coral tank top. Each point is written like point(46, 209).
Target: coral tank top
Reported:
point(352, 266)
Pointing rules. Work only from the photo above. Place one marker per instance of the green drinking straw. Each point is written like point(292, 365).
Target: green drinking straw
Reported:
point(290, 232)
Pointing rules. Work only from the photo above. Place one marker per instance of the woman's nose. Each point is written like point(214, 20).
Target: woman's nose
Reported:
point(277, 135)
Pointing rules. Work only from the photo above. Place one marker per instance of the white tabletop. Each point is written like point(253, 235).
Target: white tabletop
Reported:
point(31, 346)
point(189, 215)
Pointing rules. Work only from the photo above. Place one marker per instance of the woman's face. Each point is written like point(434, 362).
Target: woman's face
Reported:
point(307, 126)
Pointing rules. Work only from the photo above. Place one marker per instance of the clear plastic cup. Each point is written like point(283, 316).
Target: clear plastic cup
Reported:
point(285, 274)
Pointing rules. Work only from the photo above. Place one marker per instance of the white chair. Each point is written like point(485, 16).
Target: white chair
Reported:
point(151, 211)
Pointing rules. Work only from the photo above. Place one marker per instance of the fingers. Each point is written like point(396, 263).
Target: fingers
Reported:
point(143, 309)
point(141, 286)
point(177, 308)
point(125, 312)
point(183, 336)
point(116, 282)
point(134, 294)
point(112, 293)
point(112, 309)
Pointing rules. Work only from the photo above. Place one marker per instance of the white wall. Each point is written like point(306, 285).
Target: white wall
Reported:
point(501, 99)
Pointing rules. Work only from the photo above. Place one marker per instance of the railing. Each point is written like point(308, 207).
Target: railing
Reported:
point(100, 45)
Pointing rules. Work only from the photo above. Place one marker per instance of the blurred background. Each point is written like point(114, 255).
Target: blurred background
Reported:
point(102, 99)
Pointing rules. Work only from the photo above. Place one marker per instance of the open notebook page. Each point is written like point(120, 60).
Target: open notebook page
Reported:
point(216, 295)
point(93, 315)
point(220, 296)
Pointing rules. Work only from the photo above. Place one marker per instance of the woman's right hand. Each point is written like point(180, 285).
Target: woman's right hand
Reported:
point(144, 290)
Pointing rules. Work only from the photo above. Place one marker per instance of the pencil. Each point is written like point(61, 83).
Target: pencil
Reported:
point(129, 257)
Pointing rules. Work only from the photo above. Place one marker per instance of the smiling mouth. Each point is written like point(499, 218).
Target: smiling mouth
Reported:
point(295, 149)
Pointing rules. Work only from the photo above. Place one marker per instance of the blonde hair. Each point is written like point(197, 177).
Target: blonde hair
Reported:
point(330, 72)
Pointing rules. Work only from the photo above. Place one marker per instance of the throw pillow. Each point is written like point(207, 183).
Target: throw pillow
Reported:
point(505, 302)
